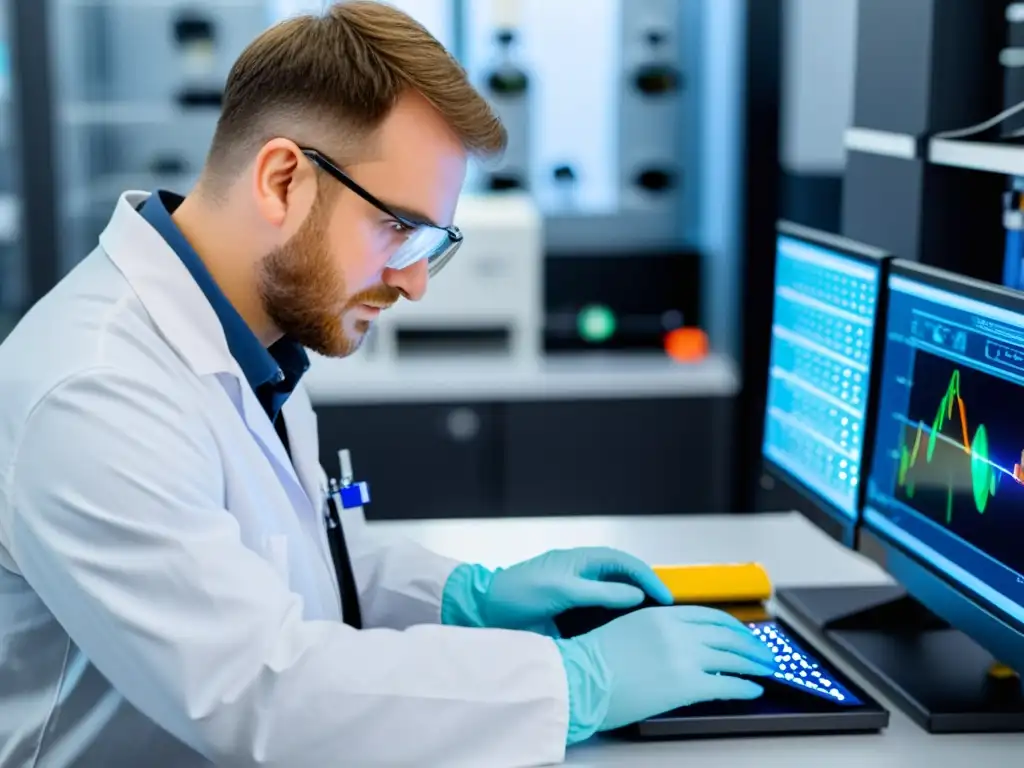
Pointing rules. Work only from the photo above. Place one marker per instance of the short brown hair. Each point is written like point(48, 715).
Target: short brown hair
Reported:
point(343, 71)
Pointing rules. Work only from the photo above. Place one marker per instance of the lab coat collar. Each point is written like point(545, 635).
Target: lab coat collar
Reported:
point(166, 289)
point(187, 321)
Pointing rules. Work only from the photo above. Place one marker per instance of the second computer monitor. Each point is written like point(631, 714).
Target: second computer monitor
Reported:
point(947, 483)
point(828, 303)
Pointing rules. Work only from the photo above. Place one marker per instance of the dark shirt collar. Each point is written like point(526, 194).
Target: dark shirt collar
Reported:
point(272, 373)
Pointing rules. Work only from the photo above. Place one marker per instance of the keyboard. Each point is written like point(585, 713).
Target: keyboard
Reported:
point(798, 668)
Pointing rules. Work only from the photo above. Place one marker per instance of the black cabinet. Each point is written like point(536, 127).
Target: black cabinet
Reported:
point(420, 460)
point(616, 457)
point(584, 457)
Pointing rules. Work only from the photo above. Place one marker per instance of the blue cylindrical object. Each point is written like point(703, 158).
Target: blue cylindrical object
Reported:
point(1012, 258)
point(1013, 223)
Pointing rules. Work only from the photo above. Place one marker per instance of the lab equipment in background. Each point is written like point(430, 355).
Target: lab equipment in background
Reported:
point(942, 511)
point(507, 87)
point(203, 86)
point(650, 106)
point(1012, 59)
point(829, 299)
point(603, 128)
point(588, 308)
point(905, 202)
point(137, 89)
point(567, 115)
point(489, 298)
point(566, 186)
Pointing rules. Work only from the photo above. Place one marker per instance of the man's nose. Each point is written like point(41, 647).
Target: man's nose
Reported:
point(411, 281)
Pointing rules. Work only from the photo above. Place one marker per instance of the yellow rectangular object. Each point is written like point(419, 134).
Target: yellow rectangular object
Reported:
point(716, 584)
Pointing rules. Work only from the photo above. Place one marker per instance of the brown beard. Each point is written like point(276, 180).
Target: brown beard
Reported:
point(302, 289)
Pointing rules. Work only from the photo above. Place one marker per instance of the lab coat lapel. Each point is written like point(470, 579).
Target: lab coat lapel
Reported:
point(188, 323)
point(261, 428)
point(301, 421)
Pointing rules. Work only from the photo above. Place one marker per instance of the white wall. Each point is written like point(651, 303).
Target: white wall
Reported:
point(818, 67)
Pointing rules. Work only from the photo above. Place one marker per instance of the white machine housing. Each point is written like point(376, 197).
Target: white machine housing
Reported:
point(494, 282)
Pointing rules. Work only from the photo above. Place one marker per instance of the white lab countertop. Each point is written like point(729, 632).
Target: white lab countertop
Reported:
point(795, 553)
point(481, 378)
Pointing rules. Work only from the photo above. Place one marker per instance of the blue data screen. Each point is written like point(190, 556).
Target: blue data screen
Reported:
point(822, 328)
point(947, 481)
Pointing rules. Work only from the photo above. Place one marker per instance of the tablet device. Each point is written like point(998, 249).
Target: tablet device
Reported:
point(806, 695)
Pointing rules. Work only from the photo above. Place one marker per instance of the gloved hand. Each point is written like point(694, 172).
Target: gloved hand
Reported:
point(530, 594)
point(655, 660)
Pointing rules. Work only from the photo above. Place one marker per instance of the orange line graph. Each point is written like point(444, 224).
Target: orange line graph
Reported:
point(963, 418)
point(984, 474)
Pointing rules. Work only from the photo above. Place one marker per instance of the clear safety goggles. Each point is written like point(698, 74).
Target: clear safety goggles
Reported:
point(423, 239)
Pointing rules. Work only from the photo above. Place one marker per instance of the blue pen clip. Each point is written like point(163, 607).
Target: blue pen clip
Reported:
point(354, 495)
point(351, 494)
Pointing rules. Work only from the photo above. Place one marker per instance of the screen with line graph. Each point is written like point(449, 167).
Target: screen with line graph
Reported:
point(822, 335)
point(948, 475)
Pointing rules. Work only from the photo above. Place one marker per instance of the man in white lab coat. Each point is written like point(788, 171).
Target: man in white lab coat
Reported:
point(170, 594)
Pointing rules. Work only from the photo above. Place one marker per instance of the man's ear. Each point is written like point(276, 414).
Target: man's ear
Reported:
point(284, 182)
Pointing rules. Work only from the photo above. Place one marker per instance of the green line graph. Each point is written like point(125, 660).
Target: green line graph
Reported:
point(984, 474)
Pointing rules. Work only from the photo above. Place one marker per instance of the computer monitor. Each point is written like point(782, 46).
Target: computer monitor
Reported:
point(828, 307)
point(944, 508)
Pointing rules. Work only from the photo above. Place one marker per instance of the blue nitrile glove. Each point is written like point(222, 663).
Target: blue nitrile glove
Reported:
point(530, 594)
point(655, 660)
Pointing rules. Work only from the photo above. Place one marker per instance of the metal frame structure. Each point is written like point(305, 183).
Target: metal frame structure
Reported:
point(32, 83)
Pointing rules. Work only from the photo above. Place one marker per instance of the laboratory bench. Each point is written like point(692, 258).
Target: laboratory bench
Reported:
point(576, 434)
point(795, 553)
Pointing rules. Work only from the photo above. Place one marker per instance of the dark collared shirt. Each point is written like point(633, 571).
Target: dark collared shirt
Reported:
point(272, 373)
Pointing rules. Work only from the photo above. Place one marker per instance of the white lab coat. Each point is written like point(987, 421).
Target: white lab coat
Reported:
point(167, 597)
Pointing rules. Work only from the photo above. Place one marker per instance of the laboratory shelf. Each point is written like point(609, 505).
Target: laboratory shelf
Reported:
point(885, 143)
point(994, 157)
point(989, 156)
point(568, 377)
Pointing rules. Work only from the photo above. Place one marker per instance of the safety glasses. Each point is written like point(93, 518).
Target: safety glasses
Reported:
point(425, 240)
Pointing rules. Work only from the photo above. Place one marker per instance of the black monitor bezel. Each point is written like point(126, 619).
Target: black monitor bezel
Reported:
point(823, 513)
point(940, 592)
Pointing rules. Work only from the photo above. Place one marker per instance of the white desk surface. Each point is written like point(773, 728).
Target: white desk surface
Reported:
point(794, 553)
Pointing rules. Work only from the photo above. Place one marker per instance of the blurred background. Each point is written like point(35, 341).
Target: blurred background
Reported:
point(600, 344)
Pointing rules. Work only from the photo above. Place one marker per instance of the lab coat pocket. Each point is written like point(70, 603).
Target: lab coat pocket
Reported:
point(275, 551)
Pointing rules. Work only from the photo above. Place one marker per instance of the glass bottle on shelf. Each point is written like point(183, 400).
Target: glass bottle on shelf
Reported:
point(138, 87)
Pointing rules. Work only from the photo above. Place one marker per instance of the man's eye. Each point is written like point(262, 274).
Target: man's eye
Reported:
point(399, 227)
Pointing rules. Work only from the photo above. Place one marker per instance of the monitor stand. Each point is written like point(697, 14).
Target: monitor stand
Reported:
point(935, 674)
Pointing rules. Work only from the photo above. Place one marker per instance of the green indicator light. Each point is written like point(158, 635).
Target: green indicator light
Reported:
point(596, 323)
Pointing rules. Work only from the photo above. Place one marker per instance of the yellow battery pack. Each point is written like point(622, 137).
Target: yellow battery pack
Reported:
point(720, 584)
